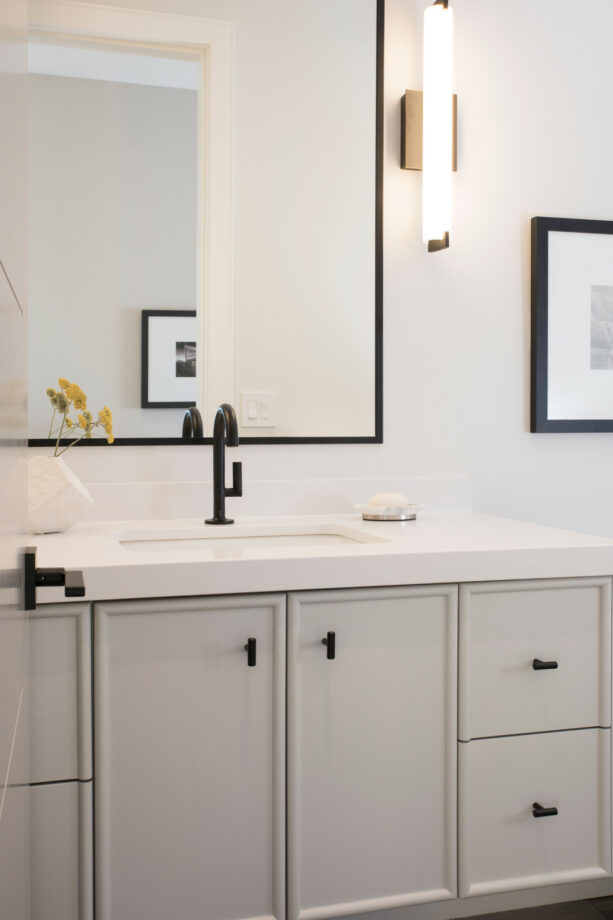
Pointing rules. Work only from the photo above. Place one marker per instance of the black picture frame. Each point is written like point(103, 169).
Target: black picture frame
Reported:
point(540, 325)
point(146, 316)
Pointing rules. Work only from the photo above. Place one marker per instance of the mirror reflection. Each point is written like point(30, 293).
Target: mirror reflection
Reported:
point(118, 211)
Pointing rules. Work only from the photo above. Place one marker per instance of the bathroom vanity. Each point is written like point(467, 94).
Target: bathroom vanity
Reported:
point(322, 717)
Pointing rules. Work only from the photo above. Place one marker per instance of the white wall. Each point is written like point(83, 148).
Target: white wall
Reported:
point(305, 205)
point(111, 231)
point(535, 85)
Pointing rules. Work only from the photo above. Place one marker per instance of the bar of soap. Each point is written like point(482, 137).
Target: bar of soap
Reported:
point(380, 499)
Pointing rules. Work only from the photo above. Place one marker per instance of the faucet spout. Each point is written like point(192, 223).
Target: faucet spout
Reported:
point(225, 433)
point(225, 425)
point(192, 424)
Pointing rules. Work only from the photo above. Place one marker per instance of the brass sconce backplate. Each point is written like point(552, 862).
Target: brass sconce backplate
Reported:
point(412, 130)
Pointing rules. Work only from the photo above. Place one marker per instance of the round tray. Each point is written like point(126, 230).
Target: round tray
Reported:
point(388, 512)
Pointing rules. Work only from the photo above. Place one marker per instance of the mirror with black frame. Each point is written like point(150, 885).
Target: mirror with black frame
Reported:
point(120, 219)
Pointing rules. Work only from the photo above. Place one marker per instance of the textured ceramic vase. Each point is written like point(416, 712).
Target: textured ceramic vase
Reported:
point(57, 499)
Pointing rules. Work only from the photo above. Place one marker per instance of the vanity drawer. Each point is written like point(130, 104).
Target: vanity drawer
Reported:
point(505, 626)
point(60, 693)
point(502, 845)
point(61, 834)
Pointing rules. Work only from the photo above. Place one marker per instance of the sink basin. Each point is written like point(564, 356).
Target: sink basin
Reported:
point(237, 539)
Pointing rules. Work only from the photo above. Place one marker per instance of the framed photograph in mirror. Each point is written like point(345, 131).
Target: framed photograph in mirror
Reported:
point(168, 359)
point(572, 325)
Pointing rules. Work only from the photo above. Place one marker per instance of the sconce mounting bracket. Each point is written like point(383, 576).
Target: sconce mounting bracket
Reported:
point(412, 130)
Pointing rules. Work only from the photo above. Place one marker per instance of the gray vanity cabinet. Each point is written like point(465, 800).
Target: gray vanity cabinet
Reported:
point(190, 758)
point(190, 752)
point(61, 762)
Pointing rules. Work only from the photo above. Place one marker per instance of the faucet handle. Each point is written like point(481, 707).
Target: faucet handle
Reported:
point(237, 481)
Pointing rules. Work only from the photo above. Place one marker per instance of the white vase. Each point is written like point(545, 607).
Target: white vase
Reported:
point(57, 498)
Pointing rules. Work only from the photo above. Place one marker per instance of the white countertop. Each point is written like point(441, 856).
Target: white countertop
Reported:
point(436, 548)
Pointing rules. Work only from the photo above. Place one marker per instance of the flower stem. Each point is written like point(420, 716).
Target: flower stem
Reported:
point(59, 437)
point(52, 421)
point(64, 449)
point(76, 440)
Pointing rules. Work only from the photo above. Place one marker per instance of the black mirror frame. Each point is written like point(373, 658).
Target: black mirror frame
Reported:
point(377, 438)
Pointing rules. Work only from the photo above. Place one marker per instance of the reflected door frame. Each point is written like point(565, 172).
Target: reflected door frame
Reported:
point(213, 42)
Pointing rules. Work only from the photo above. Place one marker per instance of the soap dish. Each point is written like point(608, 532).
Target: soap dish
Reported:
point(388, 512)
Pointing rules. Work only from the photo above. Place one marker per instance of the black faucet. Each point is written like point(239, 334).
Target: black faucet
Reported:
point(192, 424)
point(225, 431)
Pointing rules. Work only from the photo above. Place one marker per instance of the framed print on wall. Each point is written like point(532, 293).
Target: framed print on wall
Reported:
point(572, 325)
point(168, 359)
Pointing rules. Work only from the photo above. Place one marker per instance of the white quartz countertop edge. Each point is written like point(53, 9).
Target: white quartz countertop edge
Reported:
point(436, 548)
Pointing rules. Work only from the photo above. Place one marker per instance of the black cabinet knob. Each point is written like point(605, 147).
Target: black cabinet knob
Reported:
point(250, 648)
point(539, 812)
point(538, 665)
point(330, 642)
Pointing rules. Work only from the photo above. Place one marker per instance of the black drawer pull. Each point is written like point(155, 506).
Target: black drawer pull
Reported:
point(539, 812)
point(250, 649)
point(539, 665)
point(330, 643)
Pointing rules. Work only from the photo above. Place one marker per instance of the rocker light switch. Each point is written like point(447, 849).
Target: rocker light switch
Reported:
point(258, 409)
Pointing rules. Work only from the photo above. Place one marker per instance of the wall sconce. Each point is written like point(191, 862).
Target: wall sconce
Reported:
point(429, 126)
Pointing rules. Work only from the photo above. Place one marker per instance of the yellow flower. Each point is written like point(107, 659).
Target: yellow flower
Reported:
point(76, 395)
point(71, 395)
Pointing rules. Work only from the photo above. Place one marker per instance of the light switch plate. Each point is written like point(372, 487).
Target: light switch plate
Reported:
point(265, 403)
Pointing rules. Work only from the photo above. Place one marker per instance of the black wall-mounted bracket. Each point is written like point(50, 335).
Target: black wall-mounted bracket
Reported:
point(34, 578)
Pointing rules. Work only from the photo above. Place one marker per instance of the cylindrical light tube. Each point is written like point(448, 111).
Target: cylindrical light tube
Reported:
point(438, 122)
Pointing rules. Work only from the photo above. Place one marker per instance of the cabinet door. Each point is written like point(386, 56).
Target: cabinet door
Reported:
point(371, 755)
point(190, 759)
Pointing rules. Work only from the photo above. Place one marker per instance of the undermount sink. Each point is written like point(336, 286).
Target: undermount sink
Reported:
point(237, 539)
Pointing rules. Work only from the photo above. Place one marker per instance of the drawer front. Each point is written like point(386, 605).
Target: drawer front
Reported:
point(503, 846)
point(505, 627)
point(60, 693)
point(62, 851)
